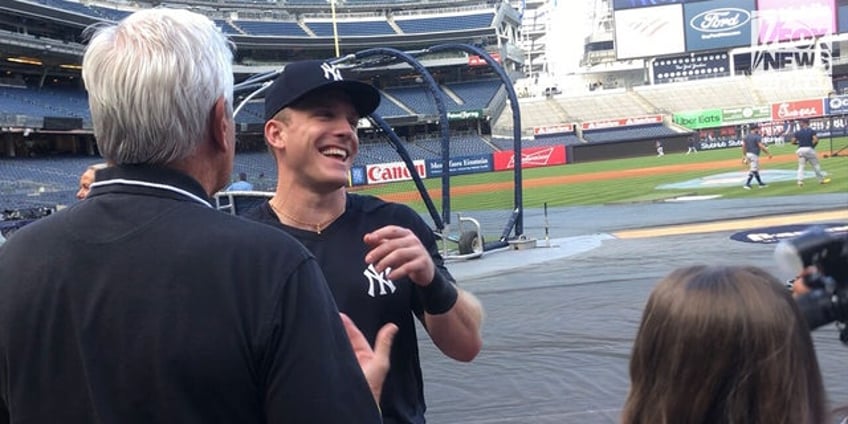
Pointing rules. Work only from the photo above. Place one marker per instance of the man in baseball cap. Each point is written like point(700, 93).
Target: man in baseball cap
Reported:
point(380, 259)
point(299, 79)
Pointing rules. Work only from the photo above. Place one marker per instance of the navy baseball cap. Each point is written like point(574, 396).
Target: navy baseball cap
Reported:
point(301, 78)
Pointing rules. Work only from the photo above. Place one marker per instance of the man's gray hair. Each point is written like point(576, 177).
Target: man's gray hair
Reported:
point(152, 81)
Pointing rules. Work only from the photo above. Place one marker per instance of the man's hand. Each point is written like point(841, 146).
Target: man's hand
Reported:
point(374, 362)
point(399, 250)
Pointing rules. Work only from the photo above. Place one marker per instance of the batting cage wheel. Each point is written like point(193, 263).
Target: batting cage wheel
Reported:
point(470, 242)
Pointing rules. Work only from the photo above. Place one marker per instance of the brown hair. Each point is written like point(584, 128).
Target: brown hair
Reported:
point(721, 345)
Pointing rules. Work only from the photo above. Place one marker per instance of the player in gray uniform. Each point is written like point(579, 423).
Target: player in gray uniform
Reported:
point(751, 147)
point(806, 139)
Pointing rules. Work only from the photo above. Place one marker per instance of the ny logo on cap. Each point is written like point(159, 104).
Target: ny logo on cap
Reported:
point(331, 72)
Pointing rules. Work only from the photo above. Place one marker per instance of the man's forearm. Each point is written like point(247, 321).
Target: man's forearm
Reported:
point(457, 331)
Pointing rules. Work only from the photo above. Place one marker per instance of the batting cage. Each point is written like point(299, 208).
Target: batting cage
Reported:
point(419, 151)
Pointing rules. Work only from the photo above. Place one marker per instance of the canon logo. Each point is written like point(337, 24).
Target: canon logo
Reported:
point(395, 171)
point(718, 20)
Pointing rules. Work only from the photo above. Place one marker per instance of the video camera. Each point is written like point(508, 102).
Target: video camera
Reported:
point(827, 300)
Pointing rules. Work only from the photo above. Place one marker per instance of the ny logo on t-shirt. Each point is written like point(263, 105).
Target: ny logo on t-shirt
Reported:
point(380, 279)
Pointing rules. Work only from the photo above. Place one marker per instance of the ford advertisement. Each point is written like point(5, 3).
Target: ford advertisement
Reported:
point(718, 24)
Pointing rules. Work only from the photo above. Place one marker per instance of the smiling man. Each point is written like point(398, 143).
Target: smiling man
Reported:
point(380, 259)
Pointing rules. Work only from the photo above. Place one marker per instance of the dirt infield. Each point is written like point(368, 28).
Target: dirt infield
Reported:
point(410, 196)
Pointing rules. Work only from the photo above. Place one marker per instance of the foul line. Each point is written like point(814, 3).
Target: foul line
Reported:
point(733, 224)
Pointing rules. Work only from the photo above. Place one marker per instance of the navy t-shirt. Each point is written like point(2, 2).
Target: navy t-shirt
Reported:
point(371, 299)
point(752, 143)
point(805, 137)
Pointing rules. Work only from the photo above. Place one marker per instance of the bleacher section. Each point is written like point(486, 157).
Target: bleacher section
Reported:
point(776, 87)
point(700, 94)
point(388, 108)
point(632, 133)
point(418, 100)
point(612, 103)
point(46, 102)
point(39, 182)
point(432, 24)
point(475, 94)
point(324, 28)
point(270, 28)
point(252, 112)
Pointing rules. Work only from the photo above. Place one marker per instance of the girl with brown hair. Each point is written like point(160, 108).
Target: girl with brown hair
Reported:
point(722, 345)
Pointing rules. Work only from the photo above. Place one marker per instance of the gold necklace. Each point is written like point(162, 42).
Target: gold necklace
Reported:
point(321, 226)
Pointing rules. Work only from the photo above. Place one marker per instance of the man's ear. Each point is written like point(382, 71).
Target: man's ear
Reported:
point(220, 123)
point(275, 135)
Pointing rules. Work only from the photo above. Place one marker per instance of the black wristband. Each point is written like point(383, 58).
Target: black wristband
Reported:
point(439, 296)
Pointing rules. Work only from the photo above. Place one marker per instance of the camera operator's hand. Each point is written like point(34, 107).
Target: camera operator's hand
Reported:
point(799, 287)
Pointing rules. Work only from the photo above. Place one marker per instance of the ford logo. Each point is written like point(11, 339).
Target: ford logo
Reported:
point(719, 20)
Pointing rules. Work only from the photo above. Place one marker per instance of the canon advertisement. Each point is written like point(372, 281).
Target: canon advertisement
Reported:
point(689, 67)
point(718, 24)
point(649, 31)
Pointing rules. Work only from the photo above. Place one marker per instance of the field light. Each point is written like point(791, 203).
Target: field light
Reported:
point(25, 60)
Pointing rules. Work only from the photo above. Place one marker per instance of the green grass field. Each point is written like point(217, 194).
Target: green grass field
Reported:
point(637, 188)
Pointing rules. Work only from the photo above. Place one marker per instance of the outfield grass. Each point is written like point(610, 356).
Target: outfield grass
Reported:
point(637, 188)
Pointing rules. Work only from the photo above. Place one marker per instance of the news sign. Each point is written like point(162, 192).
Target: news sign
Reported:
point(718, 24)
point(837, 105)
point(531, 157)
point(787, 20)
point(787, 111)
point(650, 31)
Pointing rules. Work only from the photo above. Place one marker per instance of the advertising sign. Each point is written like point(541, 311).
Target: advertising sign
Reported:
point(688, 67)
point(836, 105)
point(785, 20)
point(531, 157)
point(709, 118)
point(834, 126)
point(461, 165)
point(842, 19)
point(465, 115)
point(475, 60)
point(357, 176)
point(742, 115)
point(718, 24)
point(553, 129)
point(622, 122)
point(632, 4)
point(649, 31)
point(785, 111)
point(393, 171)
